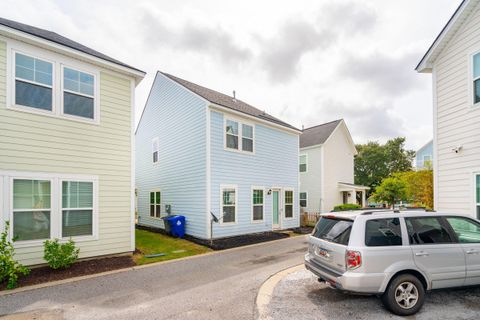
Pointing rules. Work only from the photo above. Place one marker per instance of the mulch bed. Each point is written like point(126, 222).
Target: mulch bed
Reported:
point(81, 268)
point(238, 241)
point(303, 230)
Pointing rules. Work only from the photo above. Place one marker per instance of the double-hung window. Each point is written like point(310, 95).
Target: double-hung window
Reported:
point(288, 204)
point(257, 204)
point(476, 78)
point(31, 209)
point(303, 199)
point(78, 93)
point(303, 163)
point(77, 208)
point(239, 136)
point(33, 82)
point(229, 204)
point(155, 150)
point(155, 204)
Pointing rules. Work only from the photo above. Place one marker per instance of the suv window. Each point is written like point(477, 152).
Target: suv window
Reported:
point(428, 230)
point(383, 232)
point(333, 230)
point(467, 230)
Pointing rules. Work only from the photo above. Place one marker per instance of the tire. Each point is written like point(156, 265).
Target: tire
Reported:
point(405, 295)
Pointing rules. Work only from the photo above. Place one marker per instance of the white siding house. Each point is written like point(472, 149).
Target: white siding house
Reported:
point(199, 152)
point(454, 62)
point(326, 168)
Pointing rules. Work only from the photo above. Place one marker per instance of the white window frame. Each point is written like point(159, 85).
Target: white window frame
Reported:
point(240, 134)
point(58, 61)
point(300, 199)
point(285, 203)
point(226, 187)
point(476, 202)
point(257, 205)
point(155, 205)
point(306, 162)
point(55, 207)
point(157, 142)
point(94, 97)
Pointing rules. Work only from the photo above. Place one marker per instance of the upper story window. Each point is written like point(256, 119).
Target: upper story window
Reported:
point(78, 93)
point(303, 163)
point(155, 150)
point(239, 136)
point(476, 78)
point(33, 82)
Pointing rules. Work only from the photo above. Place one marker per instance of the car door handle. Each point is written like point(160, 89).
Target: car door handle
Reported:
point(472, 251)
point(421, 254)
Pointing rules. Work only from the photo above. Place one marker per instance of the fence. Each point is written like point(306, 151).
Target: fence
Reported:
point(309, 219)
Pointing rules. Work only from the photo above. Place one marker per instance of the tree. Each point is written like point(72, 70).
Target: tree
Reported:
point(376, 162)
point(391, 190)
point(419, 187)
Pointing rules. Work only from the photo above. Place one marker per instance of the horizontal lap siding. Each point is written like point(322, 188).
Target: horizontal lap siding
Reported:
point(37, 143)
point(457, 121)
point(178, 118)
point(274, 164)
point(311, 181)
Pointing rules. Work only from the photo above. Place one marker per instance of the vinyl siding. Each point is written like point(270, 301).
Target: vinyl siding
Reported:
point(38, 143)
point(457, 121)
point(311, 181)
point(178, 118)
point(274, 164)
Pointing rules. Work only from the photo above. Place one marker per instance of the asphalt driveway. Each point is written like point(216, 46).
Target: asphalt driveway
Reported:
point(300, 296)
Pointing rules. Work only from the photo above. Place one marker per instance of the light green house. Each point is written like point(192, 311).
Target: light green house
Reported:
point(66, 144)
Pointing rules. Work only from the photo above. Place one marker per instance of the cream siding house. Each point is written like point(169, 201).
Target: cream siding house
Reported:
point(326, 168)
point(454, 62)
point(66, 144)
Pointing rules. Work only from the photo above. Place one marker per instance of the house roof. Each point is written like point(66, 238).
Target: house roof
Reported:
point(59, 39)
point(318, 134)
point(424, 146)
point(228, 101)
point(453, 25)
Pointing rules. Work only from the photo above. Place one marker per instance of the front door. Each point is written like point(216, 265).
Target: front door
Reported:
point(276, 209)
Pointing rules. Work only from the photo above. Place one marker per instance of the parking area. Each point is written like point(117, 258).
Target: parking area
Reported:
point(300, 296)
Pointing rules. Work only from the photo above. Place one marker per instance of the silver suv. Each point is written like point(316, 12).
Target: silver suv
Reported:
point(396, 255)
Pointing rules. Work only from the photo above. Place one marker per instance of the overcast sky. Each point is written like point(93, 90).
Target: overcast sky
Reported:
point(306, 62)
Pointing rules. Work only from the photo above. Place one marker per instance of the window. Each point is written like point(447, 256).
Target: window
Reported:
point(77, 208)
point(476, 78)
point(427, 161)
point(155, 149)
point(303, 199)
point(78, 93)
point(33, 82)
point(303, 163)
point(31, 209)
point(233, 131)
point(467, 230)
point(288, 204)
point(257, 204)
point(383, 232)
point(427, 230)
point(477, 195)
point(333, 230)
point(155, 204)
point(229, 205)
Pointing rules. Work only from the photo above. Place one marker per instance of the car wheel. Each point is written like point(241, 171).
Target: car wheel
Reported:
point(405, 295)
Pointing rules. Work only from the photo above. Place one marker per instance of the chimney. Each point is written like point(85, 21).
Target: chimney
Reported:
point(234, 96)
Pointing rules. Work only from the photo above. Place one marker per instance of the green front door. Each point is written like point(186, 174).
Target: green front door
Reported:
point(275, 208)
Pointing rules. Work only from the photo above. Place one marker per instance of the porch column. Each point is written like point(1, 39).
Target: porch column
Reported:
point(364, 200)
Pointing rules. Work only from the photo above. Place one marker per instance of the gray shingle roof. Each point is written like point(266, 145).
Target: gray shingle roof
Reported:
point(227, 101)
point(55, 37)
point(317, 135)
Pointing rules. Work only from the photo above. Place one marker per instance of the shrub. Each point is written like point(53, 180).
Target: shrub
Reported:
point(9, 267)
point(345, 207)
point(60, 255)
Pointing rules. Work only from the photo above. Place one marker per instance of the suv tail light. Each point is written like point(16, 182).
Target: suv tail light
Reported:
point(353, 259)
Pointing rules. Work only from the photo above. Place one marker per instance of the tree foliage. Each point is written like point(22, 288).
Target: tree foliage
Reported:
point(391, 190)
point(10, 268)
point(419, 187)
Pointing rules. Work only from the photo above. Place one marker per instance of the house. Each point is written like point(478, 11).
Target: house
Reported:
point(454, 62)
point(200, 152)
point(424, 156)
point(66, 144)
point(326, 168)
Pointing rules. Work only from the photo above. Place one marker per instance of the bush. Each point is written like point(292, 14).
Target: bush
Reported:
point(58, 255)
point(346, 207)
point(9, 267)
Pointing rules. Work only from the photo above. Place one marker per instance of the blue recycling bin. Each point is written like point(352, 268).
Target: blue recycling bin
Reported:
point(177, 226)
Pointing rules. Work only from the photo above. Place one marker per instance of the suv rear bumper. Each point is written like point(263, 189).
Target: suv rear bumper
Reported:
point(347, 281)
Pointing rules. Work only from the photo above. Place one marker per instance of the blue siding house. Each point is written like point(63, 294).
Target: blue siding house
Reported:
point(424, 156)
point(200, 151)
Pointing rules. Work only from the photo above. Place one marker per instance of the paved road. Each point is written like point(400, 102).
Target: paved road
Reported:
point(300, 296)
point(218, 286)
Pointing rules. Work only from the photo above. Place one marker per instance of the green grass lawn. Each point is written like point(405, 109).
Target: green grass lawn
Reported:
point(151, 243)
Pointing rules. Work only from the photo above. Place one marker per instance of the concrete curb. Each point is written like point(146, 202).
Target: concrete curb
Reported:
point(150, 265)
point(265, 294)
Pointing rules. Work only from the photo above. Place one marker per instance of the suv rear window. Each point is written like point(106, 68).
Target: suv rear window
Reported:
point(383, 232)
point(333, 230)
